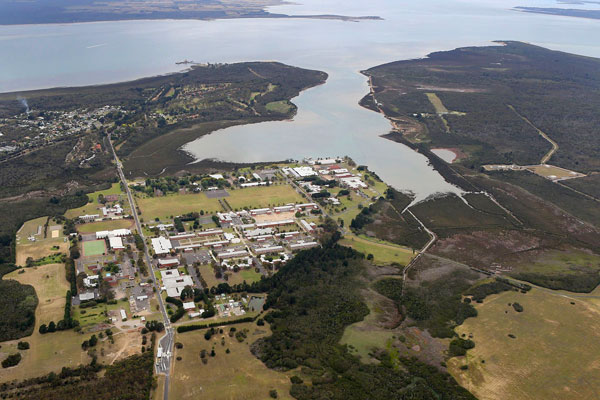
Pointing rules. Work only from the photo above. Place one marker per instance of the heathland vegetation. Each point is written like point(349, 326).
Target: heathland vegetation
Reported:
point(501, 97)
point(481, 83)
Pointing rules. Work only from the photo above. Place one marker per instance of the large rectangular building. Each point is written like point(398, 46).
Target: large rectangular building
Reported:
point(161, 245)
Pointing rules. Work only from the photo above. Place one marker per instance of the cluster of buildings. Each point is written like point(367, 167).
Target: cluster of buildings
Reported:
point(37, 129)
point(328, 169)
point(115, 237)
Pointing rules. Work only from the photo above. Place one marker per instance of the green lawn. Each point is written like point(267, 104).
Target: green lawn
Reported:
point(91, 227)
point(253, 197)
point(279, 106)
point(383, 252)
point(94, 248)
point(263, 196)
point(248, 275)
point(175, 204)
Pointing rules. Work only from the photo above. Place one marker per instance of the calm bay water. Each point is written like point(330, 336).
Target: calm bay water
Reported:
point(329, 121)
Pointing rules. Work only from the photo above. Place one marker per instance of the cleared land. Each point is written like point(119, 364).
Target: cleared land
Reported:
point(248, 275)
point(52, 351)
point(437, 103)
point(50, 286)
point(237, 375)
point(553, 355)
point(91, 227)
point(383, 252)
point(254, 197)
point(265, 196)
point(42, 246)
point(282, 106)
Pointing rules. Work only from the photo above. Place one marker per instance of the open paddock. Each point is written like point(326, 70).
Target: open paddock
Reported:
point(553, 173)
point(249, 275)
point(237, 375)
point(92, 227)
point(263, 196)
point(383, 252)
point(176, 204)
point(50, 286)
point(52, 351)
point(41, 247)
point(553, 354)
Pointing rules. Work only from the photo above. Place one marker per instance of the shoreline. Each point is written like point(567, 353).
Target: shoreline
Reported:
point(266, 15)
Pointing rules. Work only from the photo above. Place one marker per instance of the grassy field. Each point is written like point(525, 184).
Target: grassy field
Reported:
point(91, 227)
point(50, 286)
point(553, 355)
point(237, 375)
point(367, 334)
point(52, 351)
point(95, 315)
point(94, 248)
point(42, 246)
point(248, 275)
point(555, 261)
point(253, 197)
point(383, 252)
point(281, 106)
point(175, 204)
point(93, 205)
point(436, 103)
point(209, 275)
point(550, 170)
point(263, 196)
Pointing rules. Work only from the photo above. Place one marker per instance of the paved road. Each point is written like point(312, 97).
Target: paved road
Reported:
point(163, 365)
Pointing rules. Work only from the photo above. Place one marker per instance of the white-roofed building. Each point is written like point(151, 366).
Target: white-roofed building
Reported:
point(161, 245)
point(91, 281)
point(116, 243)
point(304, 171)
point(113, 233)
point(306, 226)
point(189, 305)
point(174, 285)
point(268, 249)
point(172, 273)
point(232, 253)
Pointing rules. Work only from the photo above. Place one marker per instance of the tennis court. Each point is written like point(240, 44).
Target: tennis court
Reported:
point(94, 248)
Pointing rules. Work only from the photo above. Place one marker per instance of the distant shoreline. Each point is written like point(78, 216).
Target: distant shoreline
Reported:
point(265, 15)
point(561, 12)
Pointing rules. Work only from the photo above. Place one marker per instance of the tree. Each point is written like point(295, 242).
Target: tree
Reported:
point(23, 345)
point(43, 329)
point(51, 327)
point(11, 360)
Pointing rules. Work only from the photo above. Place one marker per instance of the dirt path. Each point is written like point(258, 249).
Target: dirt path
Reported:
point(554, 148)
point(256, 73)
point(578, 192)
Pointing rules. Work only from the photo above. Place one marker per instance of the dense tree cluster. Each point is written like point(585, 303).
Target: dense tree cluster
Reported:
point(314, 297)
point(17, 307)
